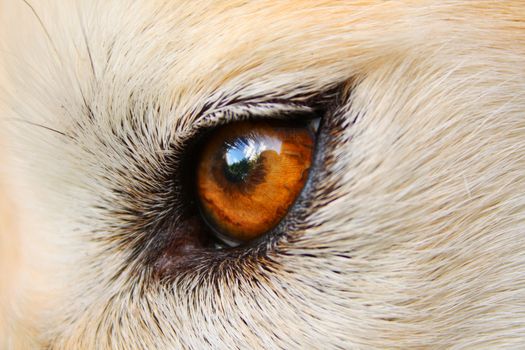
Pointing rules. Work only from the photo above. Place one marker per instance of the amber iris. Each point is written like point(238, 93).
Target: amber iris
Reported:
point(249, 175)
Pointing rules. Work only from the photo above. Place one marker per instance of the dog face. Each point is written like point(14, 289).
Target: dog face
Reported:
point(408, 231)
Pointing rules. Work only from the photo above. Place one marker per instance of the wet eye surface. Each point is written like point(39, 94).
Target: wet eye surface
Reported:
point(249, 174)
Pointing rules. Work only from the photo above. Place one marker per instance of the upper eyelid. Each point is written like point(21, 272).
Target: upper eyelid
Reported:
point(244, 111)
point(276, 110)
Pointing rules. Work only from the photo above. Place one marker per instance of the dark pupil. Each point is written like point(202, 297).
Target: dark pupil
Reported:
point(240, 159)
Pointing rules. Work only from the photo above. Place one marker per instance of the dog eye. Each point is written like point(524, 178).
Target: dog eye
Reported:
point(249, 174)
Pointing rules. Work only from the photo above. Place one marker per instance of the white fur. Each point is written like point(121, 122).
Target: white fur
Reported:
point(417, 239)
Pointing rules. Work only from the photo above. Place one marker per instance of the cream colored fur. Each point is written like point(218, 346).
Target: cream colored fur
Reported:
point(418, 236)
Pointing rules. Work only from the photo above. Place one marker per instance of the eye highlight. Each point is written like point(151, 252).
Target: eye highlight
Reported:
point(249, 175)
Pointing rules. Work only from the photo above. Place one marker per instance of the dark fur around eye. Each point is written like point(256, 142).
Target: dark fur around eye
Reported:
point(177, 241)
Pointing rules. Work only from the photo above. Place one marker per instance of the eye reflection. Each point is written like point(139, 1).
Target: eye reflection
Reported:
point(241, 156)
point(249, 175)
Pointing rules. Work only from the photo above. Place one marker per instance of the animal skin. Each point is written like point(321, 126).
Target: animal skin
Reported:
point(409, 234)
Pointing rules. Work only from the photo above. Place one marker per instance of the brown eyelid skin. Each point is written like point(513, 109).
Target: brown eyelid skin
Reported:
point(247, 211)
